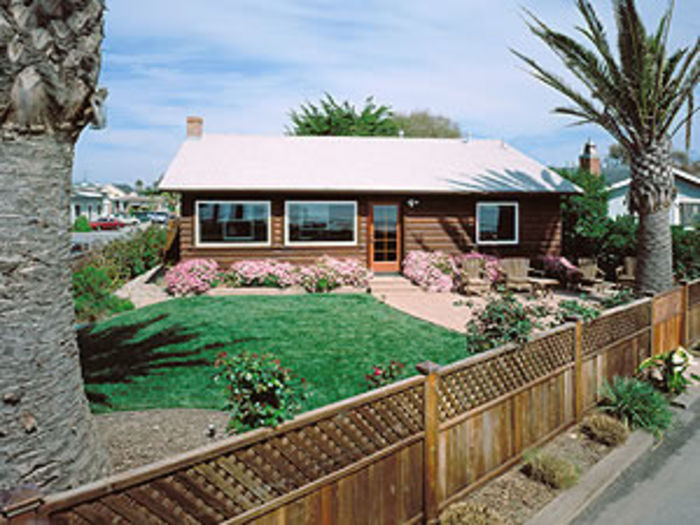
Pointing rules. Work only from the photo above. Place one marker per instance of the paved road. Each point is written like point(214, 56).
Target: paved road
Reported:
point(661, 488)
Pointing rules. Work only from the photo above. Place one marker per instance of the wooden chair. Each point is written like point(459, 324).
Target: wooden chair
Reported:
point(591, 274)
point(517, 270)
point(626, 274)
point(472, 277)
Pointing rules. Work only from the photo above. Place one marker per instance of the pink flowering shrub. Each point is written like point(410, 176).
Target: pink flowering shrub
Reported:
point(349, 272)
point(383, 375)
point(492, 265)
point(432, 271)
point(195, 276)
point(560, 268)
point(267, 272)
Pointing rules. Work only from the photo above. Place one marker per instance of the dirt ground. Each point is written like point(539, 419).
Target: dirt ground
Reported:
point(517, 498)
point(134, 439)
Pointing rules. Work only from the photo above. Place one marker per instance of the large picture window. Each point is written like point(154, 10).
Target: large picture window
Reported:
point(233, 222)
point(321, 222)
point(497, 223)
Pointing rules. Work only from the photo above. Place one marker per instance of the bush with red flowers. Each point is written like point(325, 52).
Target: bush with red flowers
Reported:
point(383, 375)
point(259, 390)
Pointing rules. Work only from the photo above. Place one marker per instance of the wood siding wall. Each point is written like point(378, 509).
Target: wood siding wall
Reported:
point(444, 223)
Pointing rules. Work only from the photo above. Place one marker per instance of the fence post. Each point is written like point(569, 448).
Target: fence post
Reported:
point(431, 421)
point(684, 339)
point(578, 371)
point(20, 506)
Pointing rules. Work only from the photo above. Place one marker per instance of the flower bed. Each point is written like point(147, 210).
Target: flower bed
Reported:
point(440, 272)
point(200, 275)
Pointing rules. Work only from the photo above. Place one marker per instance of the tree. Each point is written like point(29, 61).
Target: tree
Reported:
point(423, 124)
point(636, 98)
point(331, 118)
point(49, 67)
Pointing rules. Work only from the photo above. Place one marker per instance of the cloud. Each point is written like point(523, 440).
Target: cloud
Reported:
point(243, 64)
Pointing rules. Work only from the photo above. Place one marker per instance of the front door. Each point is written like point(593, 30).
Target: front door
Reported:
point(385, 237)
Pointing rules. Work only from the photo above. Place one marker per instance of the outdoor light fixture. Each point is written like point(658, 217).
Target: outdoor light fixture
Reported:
point(412, 203)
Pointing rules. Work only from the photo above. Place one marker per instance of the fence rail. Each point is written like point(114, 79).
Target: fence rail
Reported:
point(399, 454)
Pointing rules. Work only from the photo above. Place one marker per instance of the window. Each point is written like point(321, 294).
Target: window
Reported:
point(233, 222)
point(690, 213)
point(331, 223)
point(497, 223)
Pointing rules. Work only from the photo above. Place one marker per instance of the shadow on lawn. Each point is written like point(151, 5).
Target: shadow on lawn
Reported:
point(111, 356)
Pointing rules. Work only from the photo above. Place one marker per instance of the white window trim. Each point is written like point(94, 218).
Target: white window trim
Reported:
point(199, 244)
point(482, 204)
point(289, 242)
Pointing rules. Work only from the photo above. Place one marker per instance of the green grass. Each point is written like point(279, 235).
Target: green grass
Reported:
point(161, 356)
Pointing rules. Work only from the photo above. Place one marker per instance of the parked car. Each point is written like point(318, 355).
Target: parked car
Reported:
point(142, 216)
point(107, 223)
point(128, 220)
point(159, 217)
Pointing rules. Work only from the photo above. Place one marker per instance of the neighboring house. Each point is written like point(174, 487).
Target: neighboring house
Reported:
point(297, 198)
point(104, 200)
point(87, 200)
point(685, 210)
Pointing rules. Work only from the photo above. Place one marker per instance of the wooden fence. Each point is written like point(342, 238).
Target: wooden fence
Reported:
point(399, 454)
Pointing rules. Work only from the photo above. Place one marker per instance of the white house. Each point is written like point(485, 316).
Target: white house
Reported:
point(686, 207)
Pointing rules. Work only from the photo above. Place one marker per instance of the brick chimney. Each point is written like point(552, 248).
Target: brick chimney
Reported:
point(195, 127)
point(589, 160)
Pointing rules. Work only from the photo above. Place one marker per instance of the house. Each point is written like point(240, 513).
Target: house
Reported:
point(373, 198)
point(104, 200)
point(89, 201)
point(685, 210)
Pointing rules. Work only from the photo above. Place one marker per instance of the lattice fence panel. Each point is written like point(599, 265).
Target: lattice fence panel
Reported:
point(486, 379)
point(694, 293)
point(247, 477)
point(610, 328)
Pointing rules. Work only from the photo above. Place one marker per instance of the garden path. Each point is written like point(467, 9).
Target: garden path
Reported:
point(141, 292)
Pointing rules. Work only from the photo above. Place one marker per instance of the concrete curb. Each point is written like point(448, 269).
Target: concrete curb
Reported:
point(568, 505)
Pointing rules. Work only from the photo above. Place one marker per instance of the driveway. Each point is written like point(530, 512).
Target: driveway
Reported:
point(662, 488)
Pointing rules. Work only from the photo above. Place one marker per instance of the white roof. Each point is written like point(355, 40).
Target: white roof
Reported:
point(677, 172)
point(357, 164)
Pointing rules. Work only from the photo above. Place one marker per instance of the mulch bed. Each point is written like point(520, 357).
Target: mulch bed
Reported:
point(517, 498)
point(134, 439)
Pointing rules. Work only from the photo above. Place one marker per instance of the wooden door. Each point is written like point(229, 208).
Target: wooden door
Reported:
point(385, 242)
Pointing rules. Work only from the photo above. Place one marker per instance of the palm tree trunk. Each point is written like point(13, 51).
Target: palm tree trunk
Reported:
point(47, 436)
point(651, 194)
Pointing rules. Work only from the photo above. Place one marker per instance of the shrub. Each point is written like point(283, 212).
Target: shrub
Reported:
point(637, 404)
point(195, 276)
point(605, 429)
point(319, 279)
point(559, 268)
point(262, 273)
point(502, 320)
point(619, 298)
point(82, 224)
point(349, 272)
point(470, 513)
point(686, 252)
point(574, 309)
point(383, 375)
point(555, 471)
point(92, 295)
point(259, 390)
point(432, 271)
point(667, 372)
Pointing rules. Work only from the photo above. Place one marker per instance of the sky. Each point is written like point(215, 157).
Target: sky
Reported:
point(242, 65)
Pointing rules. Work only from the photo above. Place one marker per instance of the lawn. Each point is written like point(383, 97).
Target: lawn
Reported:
point(161, 356)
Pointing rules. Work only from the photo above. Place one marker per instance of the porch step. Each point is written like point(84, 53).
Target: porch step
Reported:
point(383, 285)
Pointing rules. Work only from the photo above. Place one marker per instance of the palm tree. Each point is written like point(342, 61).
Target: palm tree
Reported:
point(49, 66)
point(635, 96)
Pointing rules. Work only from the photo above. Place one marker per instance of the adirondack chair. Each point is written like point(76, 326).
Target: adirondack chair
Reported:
point(626, 274)
point(472, 277)
point(591, 274)
point(517, 270)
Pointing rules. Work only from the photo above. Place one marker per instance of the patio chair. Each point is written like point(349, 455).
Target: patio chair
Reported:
point(472, 277)
point(591, 274)
point(517, 270)
point(626, 274)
